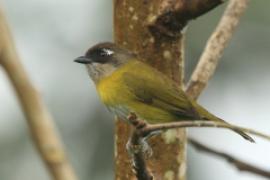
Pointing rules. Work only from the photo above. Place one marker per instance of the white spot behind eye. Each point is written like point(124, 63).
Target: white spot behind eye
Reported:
point(108, 52)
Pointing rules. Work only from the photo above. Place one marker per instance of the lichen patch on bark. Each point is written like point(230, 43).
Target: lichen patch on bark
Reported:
point(170, 136)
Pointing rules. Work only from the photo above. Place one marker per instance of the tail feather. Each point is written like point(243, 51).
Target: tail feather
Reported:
point(210, 117)
point(238, 131)
point(245, 136)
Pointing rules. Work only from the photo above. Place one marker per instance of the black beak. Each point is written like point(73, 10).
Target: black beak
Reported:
point(83, 60)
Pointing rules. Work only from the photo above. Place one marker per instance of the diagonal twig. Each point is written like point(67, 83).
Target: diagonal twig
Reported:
point(215, 47)
point(38, 118)
point(239, 164)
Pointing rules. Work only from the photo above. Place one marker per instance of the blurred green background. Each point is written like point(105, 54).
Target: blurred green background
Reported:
point(50, 34)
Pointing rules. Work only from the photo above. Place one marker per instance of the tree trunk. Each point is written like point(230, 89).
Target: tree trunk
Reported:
point(131, 29)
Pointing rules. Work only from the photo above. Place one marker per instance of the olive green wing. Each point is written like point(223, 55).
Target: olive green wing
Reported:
point(155, 89)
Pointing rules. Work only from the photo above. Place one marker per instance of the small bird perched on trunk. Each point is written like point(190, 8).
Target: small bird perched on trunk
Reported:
point(127, 85)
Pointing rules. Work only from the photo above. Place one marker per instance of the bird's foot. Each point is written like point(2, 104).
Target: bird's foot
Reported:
point(138, 141)
point(141, 126)
point(137, 123)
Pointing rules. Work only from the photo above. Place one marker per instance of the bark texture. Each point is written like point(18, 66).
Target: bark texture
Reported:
point(131, 19)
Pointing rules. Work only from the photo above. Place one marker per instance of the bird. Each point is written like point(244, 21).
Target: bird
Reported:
point(127, 85)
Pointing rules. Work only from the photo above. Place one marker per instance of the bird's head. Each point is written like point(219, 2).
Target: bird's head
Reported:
point(103, 59)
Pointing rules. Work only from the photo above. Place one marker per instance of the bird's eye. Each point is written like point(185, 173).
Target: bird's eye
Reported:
point(105, 52)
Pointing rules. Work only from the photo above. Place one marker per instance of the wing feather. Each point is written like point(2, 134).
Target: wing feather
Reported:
point(157, 90)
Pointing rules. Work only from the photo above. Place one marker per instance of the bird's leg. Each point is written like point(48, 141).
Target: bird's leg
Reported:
point(138, 141)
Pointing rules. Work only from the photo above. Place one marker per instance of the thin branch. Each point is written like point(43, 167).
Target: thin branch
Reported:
point(39, 120)
point(145, 129)
point(239, 164)
point(215, 47)
point(200, 123)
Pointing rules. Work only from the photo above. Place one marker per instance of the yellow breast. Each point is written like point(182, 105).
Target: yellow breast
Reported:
point(112, 89)
point(121, 100)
